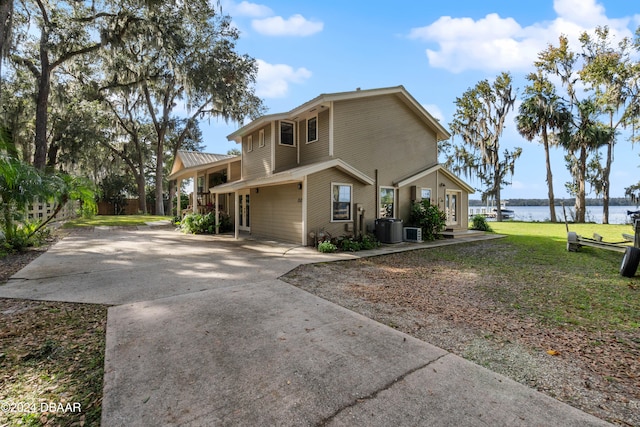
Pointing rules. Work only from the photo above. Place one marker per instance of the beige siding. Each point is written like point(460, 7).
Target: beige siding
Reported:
point(235, 171)
point(276, 213)
point(286, 156)
point(319, 201)
point(257, 163)
point(382, 133)
point(439, 184)
point(318, 150)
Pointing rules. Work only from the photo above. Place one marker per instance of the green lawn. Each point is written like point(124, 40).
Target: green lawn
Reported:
point(531, 271)
point(114, 220)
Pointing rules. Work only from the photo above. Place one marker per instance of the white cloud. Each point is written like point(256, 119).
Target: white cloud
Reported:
point(296, 25)
point(494, 43)
point(246, 8)
point(273, 80)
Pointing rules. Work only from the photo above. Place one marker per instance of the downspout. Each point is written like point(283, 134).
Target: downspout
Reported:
point(377, 198)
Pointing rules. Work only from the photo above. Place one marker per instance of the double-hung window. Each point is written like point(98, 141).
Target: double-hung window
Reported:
point(287, 134)
point(341, 202)
point(312, 129)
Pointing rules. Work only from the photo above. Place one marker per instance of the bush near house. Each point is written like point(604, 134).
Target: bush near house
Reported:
point(479, 222)
point(205, 223)
point(428, 217)
point(349, 243)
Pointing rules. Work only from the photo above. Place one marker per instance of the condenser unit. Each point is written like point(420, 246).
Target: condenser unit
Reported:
point(412, 234)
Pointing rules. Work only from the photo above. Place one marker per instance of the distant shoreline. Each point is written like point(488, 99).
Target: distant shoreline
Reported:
point(614, 201)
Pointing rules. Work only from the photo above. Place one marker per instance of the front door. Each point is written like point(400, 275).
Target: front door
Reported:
point(244, 215)
point(451, 207)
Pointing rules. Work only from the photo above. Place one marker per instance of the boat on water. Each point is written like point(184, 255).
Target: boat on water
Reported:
point(492, 211)
point(505, 213)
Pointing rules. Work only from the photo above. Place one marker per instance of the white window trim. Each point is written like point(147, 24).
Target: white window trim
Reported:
point(280, 133)
point(261, 138)
point(250, 143)
point(430, 192)
point(307, 129)
point(395, 200)
point(333, 184)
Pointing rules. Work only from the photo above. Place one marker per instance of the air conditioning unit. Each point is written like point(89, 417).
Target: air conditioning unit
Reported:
point(412, 234)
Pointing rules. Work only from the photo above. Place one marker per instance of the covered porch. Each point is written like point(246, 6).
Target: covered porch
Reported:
point(206, 171)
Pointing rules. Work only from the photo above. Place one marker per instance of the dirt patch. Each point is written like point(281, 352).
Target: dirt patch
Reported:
point(435, 301)
point(51, 357)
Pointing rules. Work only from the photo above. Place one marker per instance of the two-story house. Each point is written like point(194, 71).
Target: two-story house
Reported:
point(336, 164)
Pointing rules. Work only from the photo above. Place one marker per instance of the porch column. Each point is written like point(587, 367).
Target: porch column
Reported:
point(305, 230)
point(217, 210)
point(194, 202)
point(236, 214)
point(178, 197)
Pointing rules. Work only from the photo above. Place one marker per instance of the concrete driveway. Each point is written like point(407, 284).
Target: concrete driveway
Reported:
point(202, 333)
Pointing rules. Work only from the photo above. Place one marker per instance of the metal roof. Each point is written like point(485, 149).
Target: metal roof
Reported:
point(194, 158)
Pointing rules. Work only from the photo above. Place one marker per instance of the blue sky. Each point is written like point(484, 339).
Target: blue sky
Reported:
point(437, 50)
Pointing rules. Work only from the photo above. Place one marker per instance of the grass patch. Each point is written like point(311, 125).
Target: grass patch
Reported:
point(531, 271)
point(114, 221)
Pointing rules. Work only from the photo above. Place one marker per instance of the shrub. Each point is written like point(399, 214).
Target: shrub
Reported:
point(25, 236)
point(368, 241)
point(480, 223)
point(428, 217)
point(349, 244)
point(205, 223)
point(327, 247)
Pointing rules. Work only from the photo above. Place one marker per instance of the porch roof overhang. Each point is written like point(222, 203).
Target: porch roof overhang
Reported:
point(436, 168)
point(189, 165)
point(293, 175)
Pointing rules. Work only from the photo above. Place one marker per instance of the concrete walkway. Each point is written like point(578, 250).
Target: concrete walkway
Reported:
point(202, 333)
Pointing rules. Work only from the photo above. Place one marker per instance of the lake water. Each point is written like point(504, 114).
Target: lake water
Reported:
point(617, 214)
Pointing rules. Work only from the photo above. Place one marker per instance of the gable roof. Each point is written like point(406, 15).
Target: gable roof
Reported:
point(187, 161)
point(323, 101)
point(430, 170)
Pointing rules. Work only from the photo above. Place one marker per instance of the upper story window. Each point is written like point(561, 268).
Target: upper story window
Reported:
point(261, 138)
point(312, 129)
point(250, 143)
point(287, 134)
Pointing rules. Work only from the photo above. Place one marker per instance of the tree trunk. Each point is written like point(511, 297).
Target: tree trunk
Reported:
point(142, 196)
point(52, 155)
point(42, 104)
point(605, 175)
point(552, 201)
point(159, 175)
point(6, 9)
point(581, 194)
